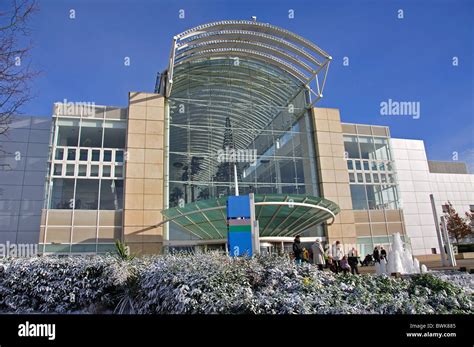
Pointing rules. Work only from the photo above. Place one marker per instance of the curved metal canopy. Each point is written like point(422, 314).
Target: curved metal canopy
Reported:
point(277, 214)
point(264, 42)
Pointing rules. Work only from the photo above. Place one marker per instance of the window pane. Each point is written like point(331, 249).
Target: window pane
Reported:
point(58, 168)
point(374, 197)
point(374, 166)
point(351, 147)
point(119, 156)
point(82, 170)
point(106, 171)
point(366, 165)
point(381, 149)
point(94, 170)
point(114, 137)
point(359, 178)
point(59, 154)
point(95, 155)
point(351, 177)
point(71, 154)
point(350, 165)
point(91, 134)
point(359, 200)
point(107, 156)
point(118, 171)
point(367, 150)
point(68, 135)
point(83, 154)
point(358, 165)
point(70, 169)
point(111, 195)
point(367, 178)
point(87, 193)
point(376, 178)
point(62, 193)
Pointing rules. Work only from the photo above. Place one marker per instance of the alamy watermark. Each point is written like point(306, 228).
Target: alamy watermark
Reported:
point(70, 108)
point(18, 250)
point(400, 108)
point(28, 329)
point(231, 155)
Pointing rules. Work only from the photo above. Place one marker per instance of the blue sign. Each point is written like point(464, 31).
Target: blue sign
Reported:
point(240, 243)
point(239, 232)
point(238, 206)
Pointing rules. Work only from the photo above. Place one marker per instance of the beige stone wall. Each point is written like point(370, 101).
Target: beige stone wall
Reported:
point(332, 172)
point(143, 186)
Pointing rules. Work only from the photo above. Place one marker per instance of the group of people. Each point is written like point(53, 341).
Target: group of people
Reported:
point(337, 261)
point(379, 254)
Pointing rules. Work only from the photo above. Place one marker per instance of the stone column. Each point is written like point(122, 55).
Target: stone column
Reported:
point(143, 188)
point(333, 174)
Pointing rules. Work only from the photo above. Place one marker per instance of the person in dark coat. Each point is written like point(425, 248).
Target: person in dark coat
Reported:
point(376, 255)
point(383, 253)
point(353, 260)
point(298, 250)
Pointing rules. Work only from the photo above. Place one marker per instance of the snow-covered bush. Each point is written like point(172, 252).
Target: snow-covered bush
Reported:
point(50, 284)
point(213, 283)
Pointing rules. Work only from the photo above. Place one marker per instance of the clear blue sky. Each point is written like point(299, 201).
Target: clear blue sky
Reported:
point(389, 58)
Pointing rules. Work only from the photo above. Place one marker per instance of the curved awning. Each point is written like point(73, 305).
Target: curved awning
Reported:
point(277, 214)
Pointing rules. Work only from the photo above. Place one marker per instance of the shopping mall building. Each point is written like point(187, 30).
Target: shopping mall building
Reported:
point(233, 111)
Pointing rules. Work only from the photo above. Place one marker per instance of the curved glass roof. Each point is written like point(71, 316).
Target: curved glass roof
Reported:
point(249, 40)
point(277, 214)
point(255, 74)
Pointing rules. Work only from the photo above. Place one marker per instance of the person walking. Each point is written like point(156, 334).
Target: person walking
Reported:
point(298, 250)
point(337, 254)
point(318, 254)
point(376, 255)
point(353, 260)
point(383, 253)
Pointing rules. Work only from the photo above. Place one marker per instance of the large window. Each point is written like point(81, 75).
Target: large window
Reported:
point(68, 132)
point(111, 195)
point(87, 194)
point(359, 199)
point(371, 176)
point(62, 194)
point(80, 164)
point(351, 147)
point(91, 134)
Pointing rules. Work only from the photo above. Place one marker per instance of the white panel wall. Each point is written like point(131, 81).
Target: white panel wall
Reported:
point(416, 184)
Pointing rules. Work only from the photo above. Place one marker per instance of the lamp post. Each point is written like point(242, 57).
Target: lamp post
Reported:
point(438, 232)
point(449, 248)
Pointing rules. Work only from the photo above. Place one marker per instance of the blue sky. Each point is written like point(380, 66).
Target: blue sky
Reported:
point(407, 59)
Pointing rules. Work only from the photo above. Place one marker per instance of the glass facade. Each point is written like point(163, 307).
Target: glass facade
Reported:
point(23, 165)
point(84, 189)
point(371, 173)
point(251, 115)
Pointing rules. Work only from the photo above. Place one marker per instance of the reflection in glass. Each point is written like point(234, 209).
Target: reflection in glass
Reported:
point(59, 154)
point(62, 194)
point(71, 154)
point(87, 194)
point(111, 195)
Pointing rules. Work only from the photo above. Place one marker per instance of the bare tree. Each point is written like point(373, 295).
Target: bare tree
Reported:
point(15, 72)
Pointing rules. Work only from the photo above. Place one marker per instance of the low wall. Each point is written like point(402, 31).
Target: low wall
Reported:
point(466, 255)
